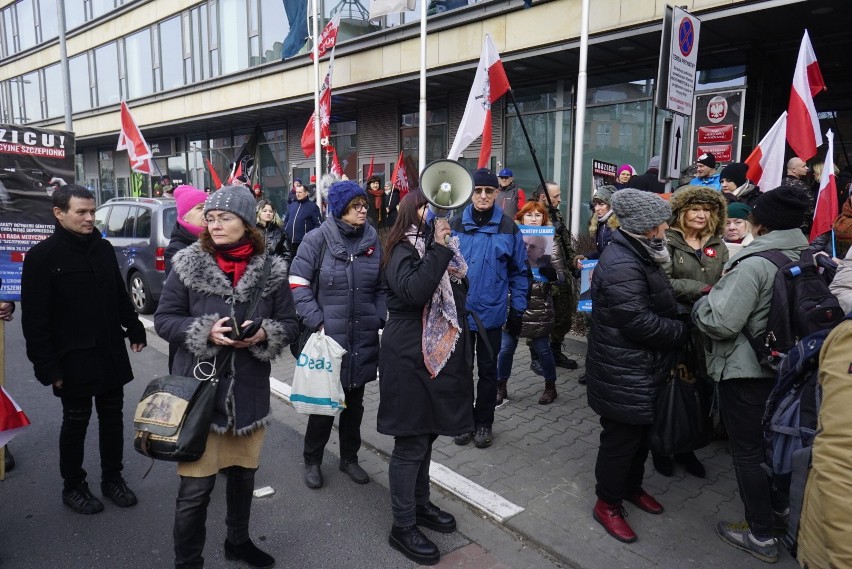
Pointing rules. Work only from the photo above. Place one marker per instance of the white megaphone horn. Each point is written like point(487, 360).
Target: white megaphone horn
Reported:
point(446, 185)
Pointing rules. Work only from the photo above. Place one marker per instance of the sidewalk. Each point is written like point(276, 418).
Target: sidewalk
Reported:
point(542, 462)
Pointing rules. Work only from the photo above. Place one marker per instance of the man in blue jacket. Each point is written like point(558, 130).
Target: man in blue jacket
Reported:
point(303, 215)
point(497, 271)
point(706, 174)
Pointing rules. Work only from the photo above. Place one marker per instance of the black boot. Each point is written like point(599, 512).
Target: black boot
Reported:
point(663, 464)
point(432, 517)
point(411, 542)
point(248, 552)
point(238, 497)
point(190, 531)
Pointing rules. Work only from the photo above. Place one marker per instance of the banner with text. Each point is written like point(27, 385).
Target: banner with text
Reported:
point(538, 240)
point(717, 124)
point(31, 159)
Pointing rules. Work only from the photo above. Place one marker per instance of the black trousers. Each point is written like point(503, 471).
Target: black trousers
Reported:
point(621, 460)
point(349, 430)
point(76, 412)
point(190, 529)
point(742, 402)
point(408, 477)
point(486, 367)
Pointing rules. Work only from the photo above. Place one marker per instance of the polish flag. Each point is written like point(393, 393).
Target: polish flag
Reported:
point(766, 162)
point(12, 418)
point(130, 139)
point(803, 131)
point(400, 177)
point(489, 84)
point(308, 136)
point(336, 168)
point(328, 37)
point(826, 209)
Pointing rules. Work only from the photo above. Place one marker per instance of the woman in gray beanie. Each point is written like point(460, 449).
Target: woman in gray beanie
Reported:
point(633, 340)
point(335, 279)
point(601, 225)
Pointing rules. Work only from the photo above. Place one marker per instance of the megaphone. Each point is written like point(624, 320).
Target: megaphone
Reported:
point(446, 185)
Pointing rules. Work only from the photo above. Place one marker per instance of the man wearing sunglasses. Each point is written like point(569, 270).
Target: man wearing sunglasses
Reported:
point(496, 258)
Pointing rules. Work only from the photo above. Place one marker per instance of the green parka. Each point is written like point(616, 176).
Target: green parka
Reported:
point(741, 300)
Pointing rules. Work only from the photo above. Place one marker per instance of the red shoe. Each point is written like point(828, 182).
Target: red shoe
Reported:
point(612, 519)
point(646, 502)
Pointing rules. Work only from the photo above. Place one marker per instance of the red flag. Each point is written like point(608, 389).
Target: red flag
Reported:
point(308, 140)
point(336, 169)
point(130, 139)
point(12, 418)
point(400, 178)
point(217, 183)
point(489, 84)
point(826, 208)
point(328, 37)
point(766, 162)
point(803, 125)
point(370, 169)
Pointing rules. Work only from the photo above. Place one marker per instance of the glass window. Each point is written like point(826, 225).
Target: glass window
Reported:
point(47, 11)
point(200, 43)
point(140, 80)
point(143, 223)
point(171, 48)
point(233, 43)
point(274, 27)
point(32, 98)
point(15, 91)
point(78, 68)
point(106, 71)
point(75, 14)
point(8, 18)
point(101, 7)
point(106, 173)
point(26, 24)
point(120, 222)
point(53, 91)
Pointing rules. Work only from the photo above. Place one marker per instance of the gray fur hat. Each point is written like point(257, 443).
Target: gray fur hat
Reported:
point(638, 211)
point(604, 194)
point(234, 199)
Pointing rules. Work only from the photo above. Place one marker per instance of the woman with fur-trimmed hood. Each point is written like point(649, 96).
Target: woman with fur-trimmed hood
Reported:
point(208, 292)
point(601, 225)
point(697, 256)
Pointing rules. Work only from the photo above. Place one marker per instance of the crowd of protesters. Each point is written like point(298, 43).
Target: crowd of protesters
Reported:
point(674, 285)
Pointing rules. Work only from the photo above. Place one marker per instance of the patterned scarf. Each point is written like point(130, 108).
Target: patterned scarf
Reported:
point(440, 320)
point(234, 258)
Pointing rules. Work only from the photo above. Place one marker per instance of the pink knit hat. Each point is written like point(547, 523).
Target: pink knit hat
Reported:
point(624, 167)
point(187, 197)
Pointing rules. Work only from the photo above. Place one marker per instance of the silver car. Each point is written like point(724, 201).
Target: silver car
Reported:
point(139, 229)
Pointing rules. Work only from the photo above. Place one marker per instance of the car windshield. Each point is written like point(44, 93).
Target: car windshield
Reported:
point(169, 220)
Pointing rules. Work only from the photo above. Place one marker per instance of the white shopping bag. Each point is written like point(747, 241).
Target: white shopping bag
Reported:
point(316, 381)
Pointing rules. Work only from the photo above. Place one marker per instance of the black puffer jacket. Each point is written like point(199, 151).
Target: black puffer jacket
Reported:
point(635, 333)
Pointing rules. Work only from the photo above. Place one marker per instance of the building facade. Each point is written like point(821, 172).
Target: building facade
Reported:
point(200, 77)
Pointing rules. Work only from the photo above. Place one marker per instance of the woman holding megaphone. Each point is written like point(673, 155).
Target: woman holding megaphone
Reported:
point(426, 380)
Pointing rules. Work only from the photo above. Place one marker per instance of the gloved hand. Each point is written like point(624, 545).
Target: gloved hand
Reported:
point(514, 323)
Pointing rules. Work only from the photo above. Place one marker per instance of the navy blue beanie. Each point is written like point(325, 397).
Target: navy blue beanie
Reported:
point(341, 193)
point(485, 177)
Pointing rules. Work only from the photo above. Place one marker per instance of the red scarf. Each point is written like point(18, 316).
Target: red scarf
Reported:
point(233, 259)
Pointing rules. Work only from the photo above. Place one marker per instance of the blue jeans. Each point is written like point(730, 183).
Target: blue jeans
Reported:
point(541, 345)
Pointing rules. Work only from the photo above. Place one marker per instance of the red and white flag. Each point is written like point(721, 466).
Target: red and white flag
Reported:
point(803, 129)
point(12, 418)
point(328, 37)
point(766, 162)
point(489, 84)
point(400, 177)
point(308, 136)
point(130, 139)
point(336, 168)
point(826, 210)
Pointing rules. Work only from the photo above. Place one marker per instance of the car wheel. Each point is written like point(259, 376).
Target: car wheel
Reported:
point(140, 294)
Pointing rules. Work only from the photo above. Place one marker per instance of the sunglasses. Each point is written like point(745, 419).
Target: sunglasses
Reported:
point(486, 191)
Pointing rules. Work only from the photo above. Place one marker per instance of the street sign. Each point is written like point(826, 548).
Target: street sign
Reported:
point(717, 124)
point(676, 145)
point(678, 61)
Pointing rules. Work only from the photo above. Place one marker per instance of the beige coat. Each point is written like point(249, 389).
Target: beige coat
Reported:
point(825, 531)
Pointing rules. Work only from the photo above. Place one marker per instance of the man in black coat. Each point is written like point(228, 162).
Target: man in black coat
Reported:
point(75, 315)
point(649, 181)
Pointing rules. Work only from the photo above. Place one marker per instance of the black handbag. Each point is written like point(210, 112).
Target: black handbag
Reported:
point(679, 424)
point(172, 420)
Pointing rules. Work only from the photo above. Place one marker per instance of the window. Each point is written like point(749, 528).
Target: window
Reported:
point(117, 222)
point(106, 72)
point(78, 69)
point(26, 24)
point(143, 223)
point(100, 7)
point(140, 79)
point(75, 14)
point(32, 98)
point(171, 47)
point(233, 26)
point(200, 43)
point(10, 35)
point(274, 27)
point(47, 14)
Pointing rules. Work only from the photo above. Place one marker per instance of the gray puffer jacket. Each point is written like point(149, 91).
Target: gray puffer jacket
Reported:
point(350, 302)
point(197, 293)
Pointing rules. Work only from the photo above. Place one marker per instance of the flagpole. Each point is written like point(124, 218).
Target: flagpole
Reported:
point(421, 139)
point(317, 146)
point(580, 122)
point(63, 64)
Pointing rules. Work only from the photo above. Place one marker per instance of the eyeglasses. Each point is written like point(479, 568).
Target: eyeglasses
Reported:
point(221, 220)
point(486, 191)
point(359, 206)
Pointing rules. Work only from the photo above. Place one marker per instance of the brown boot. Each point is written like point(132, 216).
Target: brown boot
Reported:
point(502, 395)
point(549, 395)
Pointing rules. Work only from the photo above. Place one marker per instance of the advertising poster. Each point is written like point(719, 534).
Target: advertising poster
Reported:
point(539, 243)
point(603, 174)
point(584, 303)
point(717, 124)
point(30, 160)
